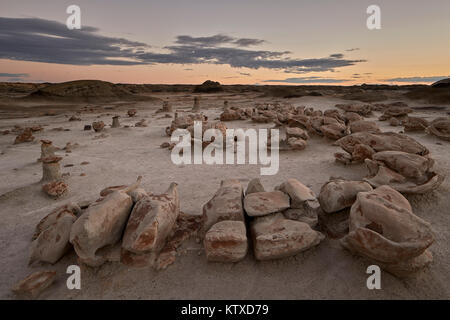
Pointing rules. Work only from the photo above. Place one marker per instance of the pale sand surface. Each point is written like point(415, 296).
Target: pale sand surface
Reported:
point(324, 272)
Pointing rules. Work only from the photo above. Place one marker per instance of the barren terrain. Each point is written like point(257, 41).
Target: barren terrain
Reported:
point(120, 155)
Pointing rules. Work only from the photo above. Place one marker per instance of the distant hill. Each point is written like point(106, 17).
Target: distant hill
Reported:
point(438, 92)
point(444, 83)
point(86, 91)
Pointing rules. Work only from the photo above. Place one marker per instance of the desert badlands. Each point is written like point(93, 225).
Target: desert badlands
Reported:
point(87, 180)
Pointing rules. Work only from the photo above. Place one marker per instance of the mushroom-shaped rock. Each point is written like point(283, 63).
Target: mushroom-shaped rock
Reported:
point(51, 170)
point(151, 222)
point(51, 238)
point(47, 149)
point(276, 237)
point(263, 203)
point(115, 122)
point(226, 241)
point(101, 225)
point(226, 204)
point(383, 227)
point(339, 194)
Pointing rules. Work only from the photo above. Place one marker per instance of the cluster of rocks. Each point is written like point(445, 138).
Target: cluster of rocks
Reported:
point(140, 229)
point(24, 134)
point(384, 229)
point(392, 159)
point(183, 122)
point(280, 221)
point(377, 224)
point(235, 113)
point(125, 224)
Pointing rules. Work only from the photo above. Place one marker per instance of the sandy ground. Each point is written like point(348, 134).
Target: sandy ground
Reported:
point(324, 272)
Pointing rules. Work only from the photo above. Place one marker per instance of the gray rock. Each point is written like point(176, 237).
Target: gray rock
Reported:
point(297, 191)
point(276, 237)
point(254, 185)
point(339, 194)
point(226, 241)
point(263, 203)
point(226, 204)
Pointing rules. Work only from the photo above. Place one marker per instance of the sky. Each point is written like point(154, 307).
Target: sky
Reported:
point(230, 41)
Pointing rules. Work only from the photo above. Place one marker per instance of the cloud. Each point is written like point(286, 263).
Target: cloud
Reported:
point(308, 80)
point(417, 79)
point(14, 75)
point(245, 74)
point(352, 49)
point(39, 40)
point(218, 39)
point(33, 39)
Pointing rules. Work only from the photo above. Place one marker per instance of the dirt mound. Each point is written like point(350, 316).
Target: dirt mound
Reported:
point(86, 91)
point(365, 95)
point(208, 87)
point(444, 83)
point(438, 93)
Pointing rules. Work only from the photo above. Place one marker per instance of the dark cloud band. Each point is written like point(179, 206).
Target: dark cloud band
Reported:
point(33, 39)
